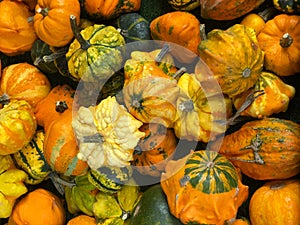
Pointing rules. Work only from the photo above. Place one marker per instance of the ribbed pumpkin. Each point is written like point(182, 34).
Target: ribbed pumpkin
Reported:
point(59, 99)
point(280, 41)
point(104, 10)
point(276, 202)
point(203, 188)
point(227, 9)
point(23, 81)
point(234, 58)
point(276, 97)
point(52, 23)
point(17, 126)
point(31, 159)
point(16, 33)
point(61, 149)
point(154, 150)
point(264, 149)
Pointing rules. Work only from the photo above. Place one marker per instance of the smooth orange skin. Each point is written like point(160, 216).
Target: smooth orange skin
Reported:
point(276, 206)
point(82, 220)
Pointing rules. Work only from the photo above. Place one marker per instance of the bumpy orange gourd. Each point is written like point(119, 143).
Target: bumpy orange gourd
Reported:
point(59, 99)
point(155, 149)
point(227, 9)
point(182, 28)
point(23, 81)
point(38, 207)
point(52, 20)
point(102, 9)
point(264, 149)
point(17, 126)
point(60, 147)
point(16, 33)
point(82, 220)
point(280, 41)
point(276, 202)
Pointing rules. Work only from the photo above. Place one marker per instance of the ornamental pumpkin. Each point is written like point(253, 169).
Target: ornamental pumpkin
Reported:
point(154, 150)
point(182, 28)
point(184, 5)
point(203, 188)
point(59, 99)
point(31, 160)
point(200, 110)
point(234, 58)
point(280, 41)
point(61, 149)
point(276, 202)
point(227, 9)
point(23, 81)
point(17, 126)
point(96, 52)
point(17, 34)
point(275, 98)
point(52, 23)
point(287, 6)
point(263, 149)
point(105, 10)
point(38, 207)
point(149, 93)
point(82, 220)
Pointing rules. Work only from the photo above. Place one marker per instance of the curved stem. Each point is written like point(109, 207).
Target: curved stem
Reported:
point(84, 44)
point(267, 13)
point(286, 40)
point(203, 32)
point(61, 106)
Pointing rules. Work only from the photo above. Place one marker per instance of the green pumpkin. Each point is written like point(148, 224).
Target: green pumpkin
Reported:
point(287, 6)
point(96, 52)
point(31, 160)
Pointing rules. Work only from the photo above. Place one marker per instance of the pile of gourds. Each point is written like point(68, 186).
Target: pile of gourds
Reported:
point(149, 112)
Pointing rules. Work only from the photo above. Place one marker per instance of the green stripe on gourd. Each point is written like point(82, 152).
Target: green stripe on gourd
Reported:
point(210, 172)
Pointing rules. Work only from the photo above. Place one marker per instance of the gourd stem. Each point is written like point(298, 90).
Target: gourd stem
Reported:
point(202, 32)
point(4, 99)
point(43, 11)
point(165, 49)
point(277, 186)
point(267, 13)
point(52, 57)
point(61, 106)
point(186, 106)
point(179, 73)
point(84, 44)
point(96, 138)
point(286, 40)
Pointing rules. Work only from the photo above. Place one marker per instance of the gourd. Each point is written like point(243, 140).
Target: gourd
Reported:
point(276, 202)
point(39, 206)
point(263, 149)
point(23, 81)
point(234, 58)
point(184, 5)
point(149, 93)
point(82, 220)
point(146, 212)
point(275, 98)
point(17, 126)
point(59, 100)
point(177, 27)
point(17, 34)
point(287, 6)
point(154, 150)
point(104, 10)
point(227, 9)
point(96, 52)
point(61, 149)
point(279, 40)
point(31, 160)
point(198, 185)
point(51, 21)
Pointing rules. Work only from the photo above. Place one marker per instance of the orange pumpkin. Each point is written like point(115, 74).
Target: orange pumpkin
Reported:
point(82, 220)
point(60, 147)
point(52, 20)
point(154, 149)
point(264, 149)
point(58, 100)
point(16, 33)
point(23, 81)
point(227, 9)
point(38, 207)
point(102, 9)
point(276, 202)
point(240, 221)
point(279, 39)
